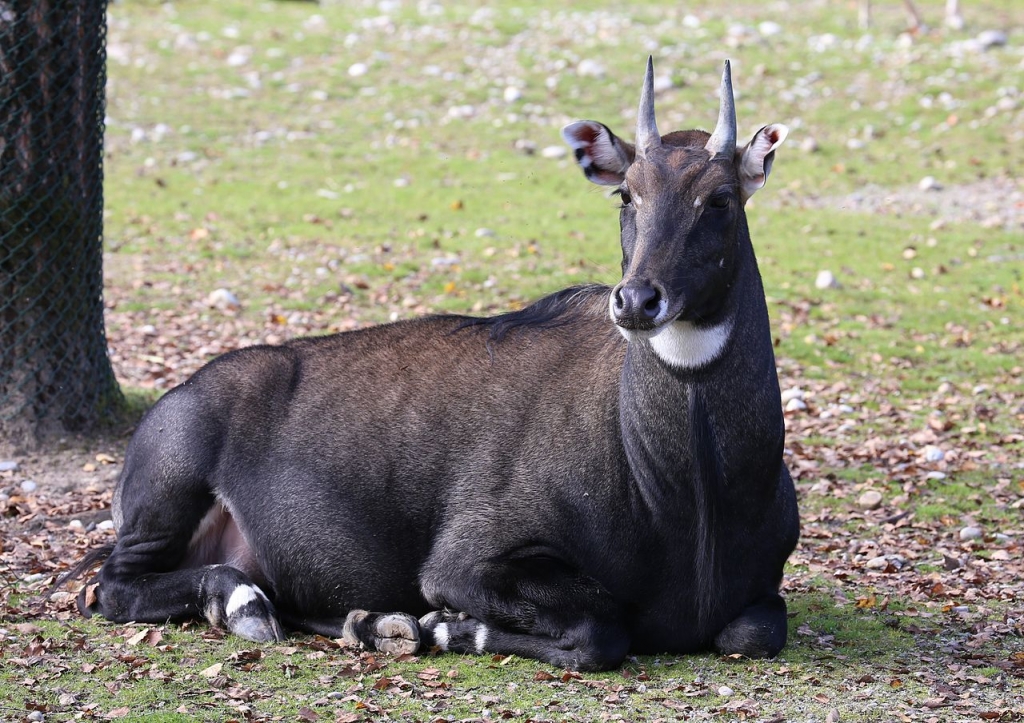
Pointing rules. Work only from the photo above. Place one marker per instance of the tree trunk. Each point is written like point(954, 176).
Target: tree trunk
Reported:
point(55, 375)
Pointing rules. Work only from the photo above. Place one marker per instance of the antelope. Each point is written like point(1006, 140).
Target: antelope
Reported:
point(596, 475)
point(915, 24)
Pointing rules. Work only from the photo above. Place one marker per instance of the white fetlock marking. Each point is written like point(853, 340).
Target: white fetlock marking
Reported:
point(240, 597)
point(481, 638)
point(441, 636)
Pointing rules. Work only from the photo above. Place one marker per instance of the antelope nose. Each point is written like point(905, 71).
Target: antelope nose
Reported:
point(635, 305)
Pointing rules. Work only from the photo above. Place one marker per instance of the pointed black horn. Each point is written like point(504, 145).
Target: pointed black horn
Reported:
point(647, 135)
point(723, 140)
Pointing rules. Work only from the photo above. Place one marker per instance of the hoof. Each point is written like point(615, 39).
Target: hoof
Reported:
point(233, 602)
point(432, 619)
point(250, 615)
point(393, 633)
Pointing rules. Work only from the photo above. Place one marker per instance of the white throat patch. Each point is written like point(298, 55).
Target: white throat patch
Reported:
point(680, 344)
point(685, 346)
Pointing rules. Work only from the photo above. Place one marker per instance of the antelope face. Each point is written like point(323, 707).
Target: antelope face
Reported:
point(682, 220)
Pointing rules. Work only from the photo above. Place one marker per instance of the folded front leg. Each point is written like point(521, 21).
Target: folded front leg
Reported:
point(585, 645)
point(223, 595)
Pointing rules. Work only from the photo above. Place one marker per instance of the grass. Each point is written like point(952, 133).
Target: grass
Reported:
point(243, 153)
point(187, 676)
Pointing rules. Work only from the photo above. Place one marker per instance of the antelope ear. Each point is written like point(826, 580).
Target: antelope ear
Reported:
point(603, 157)
point(755, 159)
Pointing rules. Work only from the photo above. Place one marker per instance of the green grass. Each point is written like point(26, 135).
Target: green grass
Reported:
point(177, 674)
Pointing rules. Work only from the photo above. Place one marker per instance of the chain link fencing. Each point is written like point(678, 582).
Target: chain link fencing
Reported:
point(55, 374)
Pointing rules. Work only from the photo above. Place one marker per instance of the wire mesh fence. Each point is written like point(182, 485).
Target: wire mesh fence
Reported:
point(54, 371)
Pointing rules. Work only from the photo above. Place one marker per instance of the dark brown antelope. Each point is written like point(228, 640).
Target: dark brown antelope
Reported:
point(598, 474)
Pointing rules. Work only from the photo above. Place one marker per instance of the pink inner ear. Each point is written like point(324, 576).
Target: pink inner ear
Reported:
point(585, 134)
point(773, 135)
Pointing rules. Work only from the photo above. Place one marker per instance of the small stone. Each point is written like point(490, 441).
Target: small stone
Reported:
point(970, 533)
point(928, 183)
point(525, 146)
point(877, 563)
point(933, 453)
point(485, 233)
point(795, 405)
point(589, 68)
point(512, 94)
point(402, 182)
point(28, 486)
point(8, 465)
point(239, 56)
point(76, 525)
point(917, 273)
point(663, 83)
point(769, 28)
point(223, 299)
point(855, 144)
point(792, 393)
point(991, 39)
point(870, 500)
point(35, 716)
point(105, 525)
point(358, 69)
point(826, 280)
point(554, 152)
point(148, 330)
point(725, 690)
point(1006, 103)
point(809, 145)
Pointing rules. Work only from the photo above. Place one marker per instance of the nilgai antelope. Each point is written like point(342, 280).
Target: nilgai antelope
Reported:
point(598, 474)
point(914, 22)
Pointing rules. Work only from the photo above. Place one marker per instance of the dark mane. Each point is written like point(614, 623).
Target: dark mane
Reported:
point(546, 313)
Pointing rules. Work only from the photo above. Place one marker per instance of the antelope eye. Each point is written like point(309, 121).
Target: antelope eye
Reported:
point(625, 197)
point(719, 200)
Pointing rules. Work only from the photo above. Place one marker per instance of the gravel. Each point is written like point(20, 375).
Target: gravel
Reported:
point(993, 202)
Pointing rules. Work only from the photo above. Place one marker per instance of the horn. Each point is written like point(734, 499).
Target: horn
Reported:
point(723, 140)
point(647, 135)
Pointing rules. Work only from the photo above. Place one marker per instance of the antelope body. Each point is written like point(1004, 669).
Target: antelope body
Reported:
point(598, 474)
